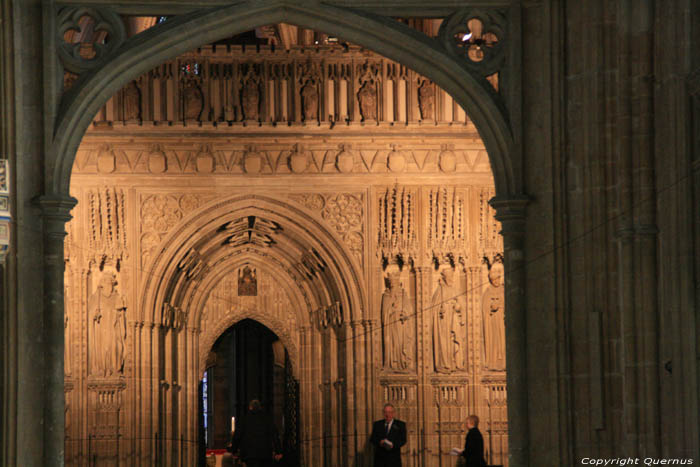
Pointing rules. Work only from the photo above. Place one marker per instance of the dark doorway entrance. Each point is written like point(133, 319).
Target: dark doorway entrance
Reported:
point(248, 362)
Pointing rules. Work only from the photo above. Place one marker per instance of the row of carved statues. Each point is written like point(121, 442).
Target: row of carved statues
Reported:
point(107, 314)
point(282, 89)
point(448, 324)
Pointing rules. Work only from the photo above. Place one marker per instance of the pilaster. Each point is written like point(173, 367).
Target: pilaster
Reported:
point(511, 212)
point(55, 212)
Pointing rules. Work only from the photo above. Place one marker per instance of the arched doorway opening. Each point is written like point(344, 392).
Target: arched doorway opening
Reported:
point(362, 220)
point(249, 362)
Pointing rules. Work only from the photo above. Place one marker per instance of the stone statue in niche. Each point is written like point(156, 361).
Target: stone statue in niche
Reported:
point(309, 101)
point(192, 101)
point(250, 100)
point(107, 312)
point(449, 325)
point(368, 101)
point(426, 100)
point(493, 307)
point(132, 102)
point(247, 282)
point(397, 319)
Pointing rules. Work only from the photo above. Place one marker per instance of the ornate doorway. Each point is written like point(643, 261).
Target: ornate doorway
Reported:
point(249, 362)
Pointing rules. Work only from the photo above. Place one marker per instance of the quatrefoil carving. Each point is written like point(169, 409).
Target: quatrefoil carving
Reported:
point(477, 37)
point(107, 24)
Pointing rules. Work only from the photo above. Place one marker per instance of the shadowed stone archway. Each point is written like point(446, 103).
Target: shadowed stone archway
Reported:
point(384, 35)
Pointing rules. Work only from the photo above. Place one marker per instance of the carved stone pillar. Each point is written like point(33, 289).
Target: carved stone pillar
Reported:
point(511, 214)
point(55, 212)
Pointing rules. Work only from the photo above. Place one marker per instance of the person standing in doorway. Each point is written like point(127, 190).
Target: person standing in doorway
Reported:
point(388, 436)
point(474, 444)
point(256, 438)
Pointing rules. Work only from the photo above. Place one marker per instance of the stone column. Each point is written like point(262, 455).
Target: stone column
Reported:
point(55, 212)
point(510, 212)
point(637, 230)
point(694, 87)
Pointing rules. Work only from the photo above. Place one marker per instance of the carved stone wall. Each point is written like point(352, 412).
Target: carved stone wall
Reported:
point(320, 86)
point(368, 248)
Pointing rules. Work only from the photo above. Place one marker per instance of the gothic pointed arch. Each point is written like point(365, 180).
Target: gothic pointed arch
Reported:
point(390, 38)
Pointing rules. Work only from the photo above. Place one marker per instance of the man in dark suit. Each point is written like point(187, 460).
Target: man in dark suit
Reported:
point(474, 444)
point(256, 438)
point(388, 436)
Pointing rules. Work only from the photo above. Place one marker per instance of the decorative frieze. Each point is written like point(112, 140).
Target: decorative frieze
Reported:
point(240, 159)
point(228, 86)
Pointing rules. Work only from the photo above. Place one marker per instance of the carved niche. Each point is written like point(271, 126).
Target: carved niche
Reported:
point(309, 82)
point(426, 100)
point(131, 102)
point(250, 93)
point(367, 95)
point(398, 329)
point(107, 314)
point(448, 324)
point(247, 282)
point(192, 96)
point(493, 307)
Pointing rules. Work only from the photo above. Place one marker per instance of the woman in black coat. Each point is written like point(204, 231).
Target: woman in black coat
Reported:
point(474, 444)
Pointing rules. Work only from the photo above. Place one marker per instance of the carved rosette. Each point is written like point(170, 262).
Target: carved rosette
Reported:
point(159, 214)
point(344, 212)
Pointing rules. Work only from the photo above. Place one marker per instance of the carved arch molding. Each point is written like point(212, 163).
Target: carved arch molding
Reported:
point(471, 46)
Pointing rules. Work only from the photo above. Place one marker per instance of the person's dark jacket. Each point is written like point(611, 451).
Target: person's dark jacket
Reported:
point(474, 449)
point(256, 437)
point(397, 435)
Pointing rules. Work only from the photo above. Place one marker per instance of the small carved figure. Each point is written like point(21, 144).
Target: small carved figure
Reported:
point(132, 102)
point(247, 282)
point(309, 100)
point(449, 326)
point(492, 306)
point(397, 313)
point(426, 100)
point(250, 100)
point(368, 101)
point(192, 101)
point(107, 310)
